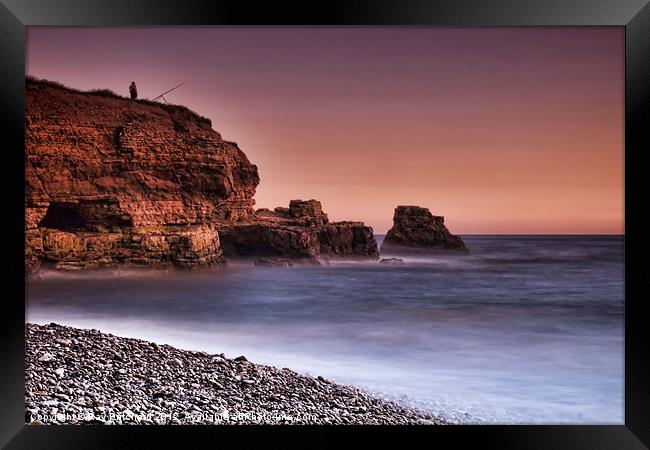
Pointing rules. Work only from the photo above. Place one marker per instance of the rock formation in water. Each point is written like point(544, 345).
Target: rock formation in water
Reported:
point(302, 231)
point(111, 180)
point(415, 229)
point(392, 261)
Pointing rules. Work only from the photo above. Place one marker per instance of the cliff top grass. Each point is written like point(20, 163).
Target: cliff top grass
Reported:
point(107, 93)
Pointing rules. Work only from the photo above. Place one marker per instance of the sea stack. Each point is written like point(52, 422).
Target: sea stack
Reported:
point(415, 229)
point(301, 232)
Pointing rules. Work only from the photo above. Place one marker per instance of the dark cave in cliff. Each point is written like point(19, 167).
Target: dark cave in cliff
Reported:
point(85, 215)
point(63, 216)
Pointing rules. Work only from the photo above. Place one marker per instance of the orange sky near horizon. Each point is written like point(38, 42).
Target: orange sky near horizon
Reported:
point(500, 130)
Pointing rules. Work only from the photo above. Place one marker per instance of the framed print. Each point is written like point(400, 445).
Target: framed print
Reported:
point(359, 219)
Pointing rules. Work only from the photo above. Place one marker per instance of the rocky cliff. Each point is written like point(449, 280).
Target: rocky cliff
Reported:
point(415, 229)
point(110, 180)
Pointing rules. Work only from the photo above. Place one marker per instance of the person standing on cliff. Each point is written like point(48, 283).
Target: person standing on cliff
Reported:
point(133, 90)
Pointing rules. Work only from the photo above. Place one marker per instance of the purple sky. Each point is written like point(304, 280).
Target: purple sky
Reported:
point(501, 130)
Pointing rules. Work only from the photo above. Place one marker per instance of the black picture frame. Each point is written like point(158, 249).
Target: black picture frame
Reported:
point(634, 15)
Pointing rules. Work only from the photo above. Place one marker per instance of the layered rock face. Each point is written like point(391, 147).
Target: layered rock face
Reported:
point(415, 229)
point(301, 231)
point(188, 246)
point(111, 180)
point(345, 239)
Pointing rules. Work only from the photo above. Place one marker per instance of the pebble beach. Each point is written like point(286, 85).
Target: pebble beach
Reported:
point(84, 376)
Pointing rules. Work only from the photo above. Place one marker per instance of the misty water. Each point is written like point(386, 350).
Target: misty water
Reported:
point(525, 329)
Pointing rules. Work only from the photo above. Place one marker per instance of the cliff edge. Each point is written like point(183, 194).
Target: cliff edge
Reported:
point(110, 180)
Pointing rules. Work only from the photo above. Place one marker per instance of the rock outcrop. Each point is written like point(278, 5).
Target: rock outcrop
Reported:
point(415, 229)
point(348, 239)
point(302, 231)
point(111, 180)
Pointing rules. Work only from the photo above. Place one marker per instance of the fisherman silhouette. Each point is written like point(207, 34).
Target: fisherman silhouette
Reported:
point(133, 90)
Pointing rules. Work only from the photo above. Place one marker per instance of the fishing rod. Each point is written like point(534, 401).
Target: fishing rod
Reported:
point(167, 92)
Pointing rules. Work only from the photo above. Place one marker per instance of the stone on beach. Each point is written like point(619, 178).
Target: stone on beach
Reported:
point(46, 357)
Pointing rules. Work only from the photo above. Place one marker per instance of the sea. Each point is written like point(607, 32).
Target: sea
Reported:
point(522, 330)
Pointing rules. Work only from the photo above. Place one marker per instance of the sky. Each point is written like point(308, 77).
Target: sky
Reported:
point(502, 130)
